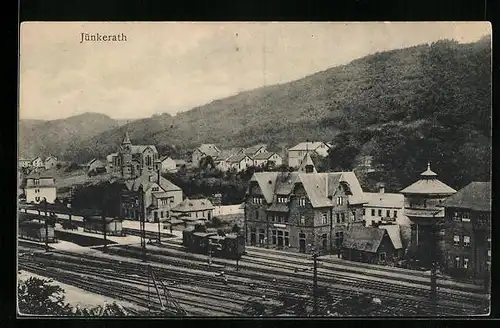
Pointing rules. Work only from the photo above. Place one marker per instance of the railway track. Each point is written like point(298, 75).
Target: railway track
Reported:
point(299, 285)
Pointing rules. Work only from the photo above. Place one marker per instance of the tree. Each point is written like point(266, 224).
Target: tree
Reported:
point(235, 229)
point(40, 297)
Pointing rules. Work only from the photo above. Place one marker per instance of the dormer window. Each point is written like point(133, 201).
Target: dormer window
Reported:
point(340, 200)
point(282, 199)
point(36, 182)
point(302, 202)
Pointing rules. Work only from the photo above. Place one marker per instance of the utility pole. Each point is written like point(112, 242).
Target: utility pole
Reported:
point(315, 284)
point(46, 225)
point(434, 249)
point(103, 218)
point(142, 223)
point(159, 232)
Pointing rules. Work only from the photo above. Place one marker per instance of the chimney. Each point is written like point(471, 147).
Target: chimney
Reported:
point(381, 188)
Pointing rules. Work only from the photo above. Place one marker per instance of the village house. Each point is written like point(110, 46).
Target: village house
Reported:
point(50, 162)
point(383, 208)
point(297, 211)
point(297, 153)
point(192, 210)
point(203, 151)
point(423, 206)
point(255, 150)
point(267, 159)
point(37, 163)
point(466, 232)
point(25, 163)
point(167, 164)
point(239, 162)
point(38, 186)
point(111, 158)
point(135, 160)
point(151, 195)
point(372, 245)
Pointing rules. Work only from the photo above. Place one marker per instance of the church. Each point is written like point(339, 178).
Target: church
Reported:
point(132, 161)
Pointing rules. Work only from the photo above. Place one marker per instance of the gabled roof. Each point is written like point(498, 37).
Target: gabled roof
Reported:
point(225, 154)
point(428, 185)
point(264, 155)
point(138, 149)
point(278, 207)
point(49, 158)
point(307, 146)
point(165, 157)
point(44, 181)
point(209, 150)
point(34, 159)
point(237, 158)
point(475, 196)
point(366, 239)
point(192, 205)
point(143, 181)
point(318, 186)
point(389, 200)
point(307, 160)
point(394, 234)
point(253, 149)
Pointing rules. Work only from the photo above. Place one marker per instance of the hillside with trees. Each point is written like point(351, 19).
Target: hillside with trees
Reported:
point(405, 107)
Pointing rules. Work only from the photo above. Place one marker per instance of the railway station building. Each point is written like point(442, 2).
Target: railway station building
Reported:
point(301, 211)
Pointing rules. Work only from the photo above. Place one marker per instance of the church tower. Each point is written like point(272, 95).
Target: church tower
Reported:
point(126, 157)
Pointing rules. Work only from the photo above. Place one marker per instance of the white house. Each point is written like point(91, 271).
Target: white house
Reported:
point(255, 150)
point(167, 164)
point(297, 153)
point(37, 187)
point(264, 158)
point(37, 162)
point(239, 162)
point(50, 162)
point(194, 210)
point(384, 208)
point(203, 151)
point(25, 163)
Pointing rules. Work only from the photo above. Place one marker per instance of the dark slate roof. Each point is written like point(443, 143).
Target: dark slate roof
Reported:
point(237, 158)
point(475, 196)
point(44, 181)
point(209, 150)
point(137, 149)
point(253, 149)
point(365, 239)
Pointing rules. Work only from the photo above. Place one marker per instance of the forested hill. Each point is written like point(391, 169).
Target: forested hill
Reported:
point(406, 106)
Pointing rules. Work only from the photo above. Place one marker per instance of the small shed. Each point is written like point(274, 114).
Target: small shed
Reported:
point(371, 245)
point(34, 230)
point(95, 224)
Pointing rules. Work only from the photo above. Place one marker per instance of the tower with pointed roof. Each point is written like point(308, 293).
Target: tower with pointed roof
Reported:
point(126, 157)
point(423, 206)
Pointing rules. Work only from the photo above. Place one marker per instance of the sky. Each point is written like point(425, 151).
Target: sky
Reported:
point(172, 67)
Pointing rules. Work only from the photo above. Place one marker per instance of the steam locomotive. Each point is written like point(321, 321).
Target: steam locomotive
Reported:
point(199, 240)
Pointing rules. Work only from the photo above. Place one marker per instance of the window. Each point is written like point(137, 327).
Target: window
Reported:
point(456, 240)
point(287, 240)
point(324, 240)
point(285, 219)
point(465, 217)
point(442, 232)
point(155, 215)
point(36, 182)
point(466, 263)
point(457, 262)
point(161, 214)
point(324, 219)
point(338, 217)
point(342, 217)
point(395, 214)
point(274, 234)
point(466, 241)
point(37, 199)
point(339, 200)
point(302, 202)
point(456, 218)
point(364, 211)
point(380, 213)
point(388, 213)
point(382, 257)
point(282, 200)
point(256, 215)
point(302, 220)
point(373, 212)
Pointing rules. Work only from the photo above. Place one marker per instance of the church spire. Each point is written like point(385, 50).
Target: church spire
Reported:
point(428, 172)
point(126, 140)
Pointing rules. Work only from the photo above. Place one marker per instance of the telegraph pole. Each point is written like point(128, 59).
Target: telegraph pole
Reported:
point(434, 249)
point(103, 217)
point(46, 225)
point(159, 232)
point(315, 284)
